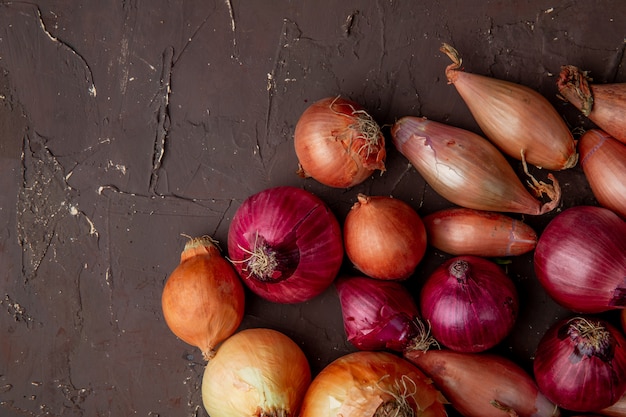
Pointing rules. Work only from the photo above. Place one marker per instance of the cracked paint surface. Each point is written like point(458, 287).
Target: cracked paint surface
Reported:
point(128, 124)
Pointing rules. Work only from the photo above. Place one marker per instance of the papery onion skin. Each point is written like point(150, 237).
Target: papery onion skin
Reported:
point(603, 104)
point(286, 244)
point(338, 143)
point(603, 160)
point(463, 231)
point(384, 237)
point(379, 314)
point(466, 169)
point(203, 298)
point(617, 409)
point(360, 383)
point(256, 372)
point(483, 384)
point(580, 259)
point(514, 117)
point(470, 303)
point(580, 364)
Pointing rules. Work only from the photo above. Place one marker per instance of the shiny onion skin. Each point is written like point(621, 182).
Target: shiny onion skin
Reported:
point(514, 117)
point(466, 169)
point(580, 259)
point(463, 231)
point(384, 237)
point(603, 104)
point(203, 298)
point(483, 384)
point(470, 303)
point(338, 143)
point(603, 160)
point(580, 364)
point(286, 244)
point(379, 315)
point(368, 384)
point(256, 372)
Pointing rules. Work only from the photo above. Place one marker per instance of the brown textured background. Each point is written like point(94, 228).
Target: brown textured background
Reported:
point(126, 123)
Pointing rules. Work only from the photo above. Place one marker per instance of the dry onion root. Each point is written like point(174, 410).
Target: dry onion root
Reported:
point(514, 117)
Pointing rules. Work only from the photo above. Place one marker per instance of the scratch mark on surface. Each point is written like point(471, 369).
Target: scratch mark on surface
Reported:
point(233, 28)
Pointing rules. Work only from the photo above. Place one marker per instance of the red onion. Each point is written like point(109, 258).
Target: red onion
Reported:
point(483, 385)
point(580, 259)
point(580, 364)
point(380, 314)
point(286, 244)
point(466, 169)
point(470, 302)
point(384, 237)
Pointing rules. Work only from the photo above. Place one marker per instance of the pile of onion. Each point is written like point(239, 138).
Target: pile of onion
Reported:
point(372, 384)
point(580, 364)
point(256, 372)
point(286, 244)
point(470, 303)
point(580, 259)
point(338, 143)
point(203, 298)
point(384, 237)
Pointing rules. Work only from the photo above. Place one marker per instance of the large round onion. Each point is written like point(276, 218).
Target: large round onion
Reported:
point(372, 384)
point(580, 259)
point(286, 244)
point(338, 143)
point(384, 237)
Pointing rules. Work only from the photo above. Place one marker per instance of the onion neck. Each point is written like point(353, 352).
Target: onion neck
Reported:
point(398, 407)
point(460, 270)
point(590, 338)
point(201, 245)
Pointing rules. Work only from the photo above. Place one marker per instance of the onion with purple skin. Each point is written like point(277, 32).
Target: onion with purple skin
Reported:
point(580, 364)
point(286, 244)
point(580, 259)
point(380, 314)
point(470, 303)
point(467, 170)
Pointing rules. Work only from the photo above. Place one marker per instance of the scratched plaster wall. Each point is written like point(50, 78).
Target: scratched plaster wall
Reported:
point(125, 124)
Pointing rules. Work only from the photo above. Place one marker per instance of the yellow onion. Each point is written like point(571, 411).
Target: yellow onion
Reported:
point(462, 231)
point(603, 104)
point(256, 372)
point(368, 384)
point(338, 143)
point(203, 298)
point(466, 169)
point(514, 117)
point(384, 237)
point(603, 160)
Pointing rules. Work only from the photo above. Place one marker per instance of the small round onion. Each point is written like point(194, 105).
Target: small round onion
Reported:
point(203, 298)
point(372, 384)
point(338, 143)
point(256, 372)
point(580, 259)
point(580, 364)
point(384, 237)
point(286, 244)
point(470, 302)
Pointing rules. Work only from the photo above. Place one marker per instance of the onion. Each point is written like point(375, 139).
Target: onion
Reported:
point(467, 169)
point(483, 384)
point(580, 364)
point(203, 298)
point(514, 117)
point(384, 237)
point(338, 143)
point(286, 244)
point(470, 303)
point(256, 372)
point(462, 231)
point(580, 259)
point(603, 160)
point(617, 409)
point(603, 104)
point(380, 315)
point(364, 384)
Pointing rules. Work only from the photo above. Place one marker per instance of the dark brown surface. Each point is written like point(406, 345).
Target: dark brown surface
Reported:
point(125, 124)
